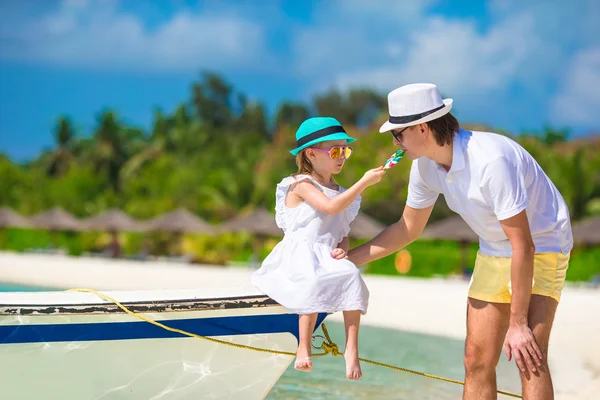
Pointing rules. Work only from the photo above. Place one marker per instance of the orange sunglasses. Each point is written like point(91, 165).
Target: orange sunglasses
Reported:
point(336, 151)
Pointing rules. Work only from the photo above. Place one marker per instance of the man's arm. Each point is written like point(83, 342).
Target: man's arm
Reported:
point(521, 273)
point(394, 237)
point(344, 244)
point(503, 187)
point(520, 341)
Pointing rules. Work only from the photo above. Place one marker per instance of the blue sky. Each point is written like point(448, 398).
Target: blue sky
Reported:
point(514, 65)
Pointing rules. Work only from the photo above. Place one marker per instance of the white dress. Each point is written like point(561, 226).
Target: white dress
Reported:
point(300, 273)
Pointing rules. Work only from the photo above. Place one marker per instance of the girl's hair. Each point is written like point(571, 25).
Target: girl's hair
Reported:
point(305, 167)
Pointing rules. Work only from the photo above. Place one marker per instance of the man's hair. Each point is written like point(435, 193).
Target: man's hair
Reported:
point(444, 128)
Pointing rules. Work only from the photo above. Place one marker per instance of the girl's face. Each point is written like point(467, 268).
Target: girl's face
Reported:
point(320, 156)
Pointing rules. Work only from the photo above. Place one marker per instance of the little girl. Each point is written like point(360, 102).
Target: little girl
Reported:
point(308, 272)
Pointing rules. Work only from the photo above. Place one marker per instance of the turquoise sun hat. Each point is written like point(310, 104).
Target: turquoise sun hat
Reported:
point(319, 129)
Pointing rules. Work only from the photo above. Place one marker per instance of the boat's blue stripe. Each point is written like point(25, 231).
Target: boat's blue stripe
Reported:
point(98, 331)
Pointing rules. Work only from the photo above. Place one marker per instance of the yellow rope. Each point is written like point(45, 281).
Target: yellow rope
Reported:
point(328, 346)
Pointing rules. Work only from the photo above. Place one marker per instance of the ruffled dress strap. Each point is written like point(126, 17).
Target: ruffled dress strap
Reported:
point(349, 214)
point(285, 215)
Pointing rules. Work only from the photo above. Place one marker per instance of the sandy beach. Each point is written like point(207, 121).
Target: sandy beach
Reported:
point(432, 306)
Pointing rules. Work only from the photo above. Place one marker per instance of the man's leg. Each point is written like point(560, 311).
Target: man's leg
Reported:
point(487, 324)
point(538, 385)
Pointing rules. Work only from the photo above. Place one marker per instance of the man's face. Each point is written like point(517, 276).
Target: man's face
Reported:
point(411, 140)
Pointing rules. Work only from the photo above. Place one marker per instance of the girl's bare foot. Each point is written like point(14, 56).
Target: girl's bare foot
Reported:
point(353, 371)
point(303, 361)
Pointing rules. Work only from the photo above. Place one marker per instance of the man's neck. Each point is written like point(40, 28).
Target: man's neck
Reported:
point(442, 155)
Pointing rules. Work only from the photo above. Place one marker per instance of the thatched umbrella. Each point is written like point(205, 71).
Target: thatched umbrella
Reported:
point(113, 221)
point(365, 227)
point(56, 219)
point(259, 222)
point(178, 222)
point(452, 228)
point(587, 232)
point(10, 219)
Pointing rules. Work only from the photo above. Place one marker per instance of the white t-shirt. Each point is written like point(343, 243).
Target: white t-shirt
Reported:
point(493, 178)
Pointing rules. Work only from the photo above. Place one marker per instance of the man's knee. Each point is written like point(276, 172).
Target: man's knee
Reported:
point(478, 360)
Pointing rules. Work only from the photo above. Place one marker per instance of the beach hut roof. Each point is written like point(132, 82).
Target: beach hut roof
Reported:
point(180, 220)
point(56, 218)
point(258, 221)
point(587, 231)
point(365, 227)
point(9, 218)
point(113, 220)
point(451, 228)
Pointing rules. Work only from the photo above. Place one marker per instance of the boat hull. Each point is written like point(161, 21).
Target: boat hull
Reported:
point(76, 347)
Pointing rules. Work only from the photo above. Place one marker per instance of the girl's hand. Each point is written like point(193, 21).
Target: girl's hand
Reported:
point(373, 176)
point(338, 254)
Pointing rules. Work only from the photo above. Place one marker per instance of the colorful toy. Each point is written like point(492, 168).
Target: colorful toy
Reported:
point(393, 160)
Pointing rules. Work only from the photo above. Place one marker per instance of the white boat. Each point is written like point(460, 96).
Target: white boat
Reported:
point(71, 345)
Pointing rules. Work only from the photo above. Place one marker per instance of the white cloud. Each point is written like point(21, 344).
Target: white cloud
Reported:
point(99, 35)
point(350, 34)
point(454, 55)
point(579, 100)
point(510, 62)
point(573, 23)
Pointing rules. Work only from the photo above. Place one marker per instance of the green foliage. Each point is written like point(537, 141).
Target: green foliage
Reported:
point(584, 264)
point(217, 153)
point(428, 258)
point(25, 239)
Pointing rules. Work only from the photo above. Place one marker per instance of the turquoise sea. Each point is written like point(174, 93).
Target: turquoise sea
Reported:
point(424, 353)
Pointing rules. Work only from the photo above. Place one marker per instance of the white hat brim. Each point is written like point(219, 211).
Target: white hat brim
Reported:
point(388, 126)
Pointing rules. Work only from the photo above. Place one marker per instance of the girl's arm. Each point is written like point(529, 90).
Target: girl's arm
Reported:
point(342, 248)
point(306, 191)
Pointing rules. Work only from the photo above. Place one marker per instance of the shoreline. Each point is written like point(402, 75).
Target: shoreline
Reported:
point(398, 303)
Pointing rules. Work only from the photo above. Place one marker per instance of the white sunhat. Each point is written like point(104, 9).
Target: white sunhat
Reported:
point(415, 104)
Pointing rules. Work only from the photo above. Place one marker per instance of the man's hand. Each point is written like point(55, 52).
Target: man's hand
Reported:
point(521, 344)
point(338, 254)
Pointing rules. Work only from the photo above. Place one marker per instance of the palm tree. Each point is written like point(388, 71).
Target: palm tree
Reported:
point(291, 114)
point(113, 146)
point(62, 157)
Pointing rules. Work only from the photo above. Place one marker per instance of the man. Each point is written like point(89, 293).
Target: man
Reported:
point(521, 219)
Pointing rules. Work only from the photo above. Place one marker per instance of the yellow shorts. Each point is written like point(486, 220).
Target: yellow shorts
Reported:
point(491, 277)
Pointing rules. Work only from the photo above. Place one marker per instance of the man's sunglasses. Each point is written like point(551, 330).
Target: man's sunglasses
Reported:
point(398, 135)
point(336, 151)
